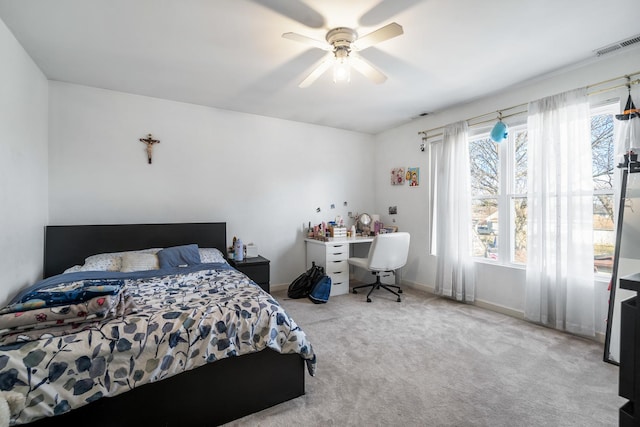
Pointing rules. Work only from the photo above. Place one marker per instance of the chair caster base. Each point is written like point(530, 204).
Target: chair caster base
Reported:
point(378, 285)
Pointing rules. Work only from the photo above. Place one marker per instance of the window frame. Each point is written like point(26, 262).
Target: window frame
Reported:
point(610, 106)
point(507, 192)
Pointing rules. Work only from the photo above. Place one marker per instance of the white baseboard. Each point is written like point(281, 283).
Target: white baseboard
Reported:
point(499, 308)
point(419, 287)
point(480, 303)
point(279, 287)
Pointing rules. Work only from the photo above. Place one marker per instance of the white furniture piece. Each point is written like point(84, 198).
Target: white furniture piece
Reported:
point(387, 253)
point(333, 255)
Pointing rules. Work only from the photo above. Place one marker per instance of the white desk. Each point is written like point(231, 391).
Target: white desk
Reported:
point(333, 255)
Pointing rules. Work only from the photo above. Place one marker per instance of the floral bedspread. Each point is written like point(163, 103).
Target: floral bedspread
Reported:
point(185, 318)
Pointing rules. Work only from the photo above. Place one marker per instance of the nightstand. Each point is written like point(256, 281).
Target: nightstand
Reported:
point(257, 268)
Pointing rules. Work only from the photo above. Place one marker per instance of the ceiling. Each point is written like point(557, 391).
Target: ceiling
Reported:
point(230, 54)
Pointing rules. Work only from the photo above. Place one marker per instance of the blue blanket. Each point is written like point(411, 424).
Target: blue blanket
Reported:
point(97, 276)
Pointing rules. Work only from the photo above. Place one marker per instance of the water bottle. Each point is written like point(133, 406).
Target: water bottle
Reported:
point(238, 253)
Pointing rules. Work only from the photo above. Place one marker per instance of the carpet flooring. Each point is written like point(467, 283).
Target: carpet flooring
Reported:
point(429, 361)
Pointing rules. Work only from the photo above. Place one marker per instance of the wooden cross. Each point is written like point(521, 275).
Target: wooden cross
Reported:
point(149, 141)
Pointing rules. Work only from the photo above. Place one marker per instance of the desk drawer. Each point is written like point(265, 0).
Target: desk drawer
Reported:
point(338, 246)
point(341, 277)
point(339, 289)
point(339, 283)
point(337, 252)
point(337, 266)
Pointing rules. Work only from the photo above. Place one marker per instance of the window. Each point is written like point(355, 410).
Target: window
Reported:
point(602, 147)
point(499, 193)
point(499, 185)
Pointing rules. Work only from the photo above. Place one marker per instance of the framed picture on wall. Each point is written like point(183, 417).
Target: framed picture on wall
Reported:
point(397, 176)
point(413, 176)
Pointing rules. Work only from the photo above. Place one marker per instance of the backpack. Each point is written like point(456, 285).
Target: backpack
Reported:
point(320, 292)
point(302, 286)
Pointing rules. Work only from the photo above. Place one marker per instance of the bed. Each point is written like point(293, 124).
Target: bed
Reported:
point(210, 394)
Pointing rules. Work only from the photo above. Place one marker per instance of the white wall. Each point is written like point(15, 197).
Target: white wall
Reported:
point(498, 287)
point(23, 166)
point(265, 177)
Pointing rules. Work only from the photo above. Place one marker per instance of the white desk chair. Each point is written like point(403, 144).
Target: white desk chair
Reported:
point(388, 252)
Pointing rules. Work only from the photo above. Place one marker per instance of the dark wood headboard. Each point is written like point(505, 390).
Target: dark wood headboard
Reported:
point(69, 245)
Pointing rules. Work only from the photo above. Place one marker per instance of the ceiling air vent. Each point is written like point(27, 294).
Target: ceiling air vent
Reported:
point(618, 45)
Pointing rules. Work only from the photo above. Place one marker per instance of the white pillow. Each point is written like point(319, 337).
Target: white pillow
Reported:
point(136, 261)
point(208, 255)
point(103, 262)
point(110, 261)
point(73, 269)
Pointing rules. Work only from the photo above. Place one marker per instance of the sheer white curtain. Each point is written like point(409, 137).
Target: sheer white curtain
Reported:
point(455, 274)
point(560, 279)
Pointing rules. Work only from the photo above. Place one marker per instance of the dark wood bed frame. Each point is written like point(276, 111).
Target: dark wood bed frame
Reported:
point(210, 395)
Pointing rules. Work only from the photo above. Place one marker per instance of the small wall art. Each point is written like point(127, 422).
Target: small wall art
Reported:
point(397, 176)
point(413, 176)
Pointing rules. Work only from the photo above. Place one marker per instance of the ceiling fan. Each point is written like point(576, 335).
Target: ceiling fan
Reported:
point(343, 44)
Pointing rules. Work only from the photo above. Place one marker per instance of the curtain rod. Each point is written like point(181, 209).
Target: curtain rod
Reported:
point(631, 82)
point(475, 124)
point(628, 84)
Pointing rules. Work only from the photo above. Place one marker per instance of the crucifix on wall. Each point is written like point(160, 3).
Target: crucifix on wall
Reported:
point(149, 141)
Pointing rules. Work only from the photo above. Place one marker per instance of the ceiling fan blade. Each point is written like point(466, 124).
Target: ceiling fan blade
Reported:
point(296, 10)
point(308, 40)
point(381, 34)
point(384, 11)
point(319, 70)
point(366, 69)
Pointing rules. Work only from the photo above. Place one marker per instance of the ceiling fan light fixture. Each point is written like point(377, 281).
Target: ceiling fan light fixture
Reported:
point(341, 41)
point(341, 66)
